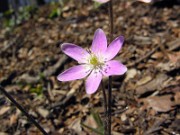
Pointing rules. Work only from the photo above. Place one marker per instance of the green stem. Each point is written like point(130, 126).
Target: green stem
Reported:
point(110, 78)
point(22, 110)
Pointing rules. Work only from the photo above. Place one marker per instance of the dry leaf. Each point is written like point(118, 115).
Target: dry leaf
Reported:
point(43, 112)
point(174, 62)
point(91, 122)
point(175, 57)
point(156, 83)
point(158, 103)
point(144, 80)
point(157, 55)
point(177, 98)
point(14, 117)
point(76, 125)
point(131, 73)
point(3, 133)
point(4, 109)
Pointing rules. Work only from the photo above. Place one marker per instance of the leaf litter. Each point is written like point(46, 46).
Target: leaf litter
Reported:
point(145, 100)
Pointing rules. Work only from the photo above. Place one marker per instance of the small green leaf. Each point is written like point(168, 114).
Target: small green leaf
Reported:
point(38, 90)
point(97, 118)
point(55, 13)
point(97, 5)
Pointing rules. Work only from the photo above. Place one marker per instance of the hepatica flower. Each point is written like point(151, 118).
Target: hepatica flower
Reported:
point(101, 1)
point(146, 1)
point(95, 62)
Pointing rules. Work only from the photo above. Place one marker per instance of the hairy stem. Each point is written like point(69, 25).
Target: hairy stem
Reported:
point(110, 78)
point(111, 19)
point(105, 109)
point(109, 105)
point(22, 110)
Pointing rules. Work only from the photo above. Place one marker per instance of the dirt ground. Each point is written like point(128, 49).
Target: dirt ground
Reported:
point(146, 99)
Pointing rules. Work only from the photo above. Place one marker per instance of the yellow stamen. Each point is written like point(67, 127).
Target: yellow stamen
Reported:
point(94, 61)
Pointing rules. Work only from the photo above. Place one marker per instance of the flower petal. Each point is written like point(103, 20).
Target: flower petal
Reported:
point(75, 52)
point(99, 44)
point(114, 48)
point(73, 73)
point(101, 1)
point(92, 82)
point(114, 67)
point(146, 1)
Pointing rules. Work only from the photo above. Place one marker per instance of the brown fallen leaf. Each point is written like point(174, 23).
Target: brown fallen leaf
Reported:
point(173, 63)
point(3, 133)
point(90, 122)
point(156, 83)
point(157, 55)
point(144, 80)
point(174, 57)
point(175, 125)
point(43, 112)
point(158, 103)
point(76, 125)
point(177, 98)
point(131, 73)
point(4, 109)
point(13, 118)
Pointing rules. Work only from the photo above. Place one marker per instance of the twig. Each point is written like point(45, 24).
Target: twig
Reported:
point(162, 47)
point(22, 110)
point(110, 78)
point(143, 58)
point(173, 45)
point(9, 45)
point(53, 69)
point(66, 97)
point(120, 110)
point(48, 72)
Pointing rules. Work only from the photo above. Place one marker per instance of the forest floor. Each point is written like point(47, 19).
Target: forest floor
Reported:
point(146, 99)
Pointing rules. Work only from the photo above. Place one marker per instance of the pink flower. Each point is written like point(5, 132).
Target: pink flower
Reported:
point(94, 63)
point(146, 1)
point(101, 1)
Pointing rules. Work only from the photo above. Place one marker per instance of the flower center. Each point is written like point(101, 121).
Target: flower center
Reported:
point(94, 61)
